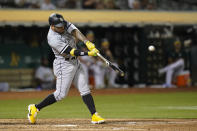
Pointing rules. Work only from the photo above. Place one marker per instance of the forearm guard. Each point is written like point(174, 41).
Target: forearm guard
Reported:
point(75, 52)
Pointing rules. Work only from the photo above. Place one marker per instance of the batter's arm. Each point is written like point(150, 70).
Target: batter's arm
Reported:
point(77, 34)
point(77, 52)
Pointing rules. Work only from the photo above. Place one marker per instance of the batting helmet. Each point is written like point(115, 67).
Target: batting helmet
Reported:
point(57, 20)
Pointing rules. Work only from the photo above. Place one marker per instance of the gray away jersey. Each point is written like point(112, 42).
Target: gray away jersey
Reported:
point(59, 42)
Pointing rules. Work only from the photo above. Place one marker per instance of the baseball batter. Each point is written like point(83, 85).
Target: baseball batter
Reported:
point(67, 68)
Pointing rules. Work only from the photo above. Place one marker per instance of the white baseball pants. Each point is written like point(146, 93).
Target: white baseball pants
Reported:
point(66, 73)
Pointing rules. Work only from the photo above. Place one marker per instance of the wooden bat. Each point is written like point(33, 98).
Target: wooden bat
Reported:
point(115, 68)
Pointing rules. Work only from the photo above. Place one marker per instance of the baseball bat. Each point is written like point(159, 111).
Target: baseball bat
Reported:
point(115, 68)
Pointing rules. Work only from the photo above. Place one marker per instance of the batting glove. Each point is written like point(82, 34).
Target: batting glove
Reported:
point(90, 45)
point(93, 52)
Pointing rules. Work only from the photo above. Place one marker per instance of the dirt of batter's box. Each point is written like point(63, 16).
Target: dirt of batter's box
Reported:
point(110, 125)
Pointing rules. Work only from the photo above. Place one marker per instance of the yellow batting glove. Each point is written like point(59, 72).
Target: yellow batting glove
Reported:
point(72, 52)
point(93, 52)
point(90, 45)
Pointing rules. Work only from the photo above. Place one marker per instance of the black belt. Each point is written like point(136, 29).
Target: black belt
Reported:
point(73, 58)
point(67, 59)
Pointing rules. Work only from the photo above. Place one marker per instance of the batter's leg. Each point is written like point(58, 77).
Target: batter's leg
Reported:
point(47, 101)
point(80, 82)
point(34, 109)
point(63, 82)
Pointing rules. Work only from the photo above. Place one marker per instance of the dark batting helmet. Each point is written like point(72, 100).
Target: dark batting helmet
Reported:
point(57, 20)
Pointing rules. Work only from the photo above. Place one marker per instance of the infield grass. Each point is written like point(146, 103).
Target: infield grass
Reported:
point(156, 105)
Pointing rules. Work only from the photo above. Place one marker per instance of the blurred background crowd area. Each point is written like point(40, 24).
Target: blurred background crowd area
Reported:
point(24, 47)
point(102, 4)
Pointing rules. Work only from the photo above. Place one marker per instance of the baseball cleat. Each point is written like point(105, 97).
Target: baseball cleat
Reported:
point(96, 119)
point(32, 113)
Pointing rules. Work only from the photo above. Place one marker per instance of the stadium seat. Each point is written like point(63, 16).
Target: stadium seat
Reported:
point(17, 77)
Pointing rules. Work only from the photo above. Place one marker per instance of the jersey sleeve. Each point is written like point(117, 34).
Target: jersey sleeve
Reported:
point(58, 44)
point(70, 27)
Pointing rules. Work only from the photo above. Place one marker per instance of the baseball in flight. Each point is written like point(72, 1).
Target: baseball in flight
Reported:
point(151, 48)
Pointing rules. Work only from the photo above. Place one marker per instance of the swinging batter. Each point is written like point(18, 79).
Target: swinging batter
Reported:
point(67, 68)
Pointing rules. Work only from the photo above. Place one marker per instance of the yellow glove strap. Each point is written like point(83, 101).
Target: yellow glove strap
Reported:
point(72, 52)
point(90, 45)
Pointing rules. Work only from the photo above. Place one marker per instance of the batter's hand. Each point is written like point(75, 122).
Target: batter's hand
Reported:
point(90, 45)
point(93, 52)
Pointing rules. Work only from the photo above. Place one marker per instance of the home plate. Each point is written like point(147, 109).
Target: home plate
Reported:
point(68, 125)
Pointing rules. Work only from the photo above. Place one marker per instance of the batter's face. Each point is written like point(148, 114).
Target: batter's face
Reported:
point(58, 29)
